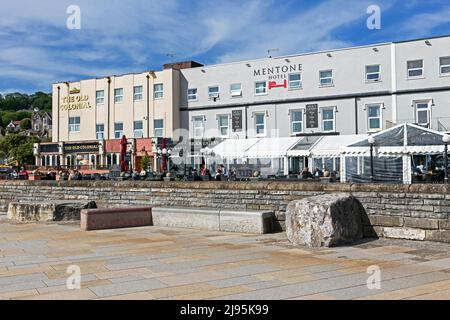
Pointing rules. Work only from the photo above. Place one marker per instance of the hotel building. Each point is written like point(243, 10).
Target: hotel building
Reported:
point(359, 90)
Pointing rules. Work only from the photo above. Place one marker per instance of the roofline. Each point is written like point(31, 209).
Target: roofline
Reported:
point(114, 75)
point(323, 51)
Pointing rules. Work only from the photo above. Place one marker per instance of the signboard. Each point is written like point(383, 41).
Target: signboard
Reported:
point(49, 148)
point(81, 147)
point(236, 120)
point(75, 103)
point(312, 116)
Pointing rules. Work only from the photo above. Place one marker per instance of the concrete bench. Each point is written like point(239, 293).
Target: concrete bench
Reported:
point(258, 222)
point(96, 219)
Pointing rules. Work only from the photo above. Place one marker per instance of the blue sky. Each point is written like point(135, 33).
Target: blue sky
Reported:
point(37, 49)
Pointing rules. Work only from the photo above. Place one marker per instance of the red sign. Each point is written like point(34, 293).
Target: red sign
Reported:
point(273, 84)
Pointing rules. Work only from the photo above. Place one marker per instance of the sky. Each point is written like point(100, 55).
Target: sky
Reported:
point(115, 37)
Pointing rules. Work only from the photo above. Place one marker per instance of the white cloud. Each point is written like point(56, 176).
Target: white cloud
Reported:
point(423, 24)
point(118, 36)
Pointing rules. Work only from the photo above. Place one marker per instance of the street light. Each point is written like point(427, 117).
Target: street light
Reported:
point(371, 141)
point(445, 140)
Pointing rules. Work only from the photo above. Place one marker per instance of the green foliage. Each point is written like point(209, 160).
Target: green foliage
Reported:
point(145, 162)
point(18, 147)
point(21, 101)
point(25, 124)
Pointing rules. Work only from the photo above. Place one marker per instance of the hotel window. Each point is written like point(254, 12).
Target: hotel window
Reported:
point(260, 87)
point(199, 126)
point(100, 97)
point(118, 95)
point(138, 132)
point(374, 117)
point(296, 121)
point(100, 131)
point(223, 125)
point(158, 91)
point(295, 81)
point(415, 68)
point(423, 112)
point(118, 130)
point(137, 93)
point(213, 92)
point(192, 94)
point(260, 123)
point(373, 73)
point(236, 90)
point(326, 77)
point(74, 124)
point(444, 65)
point(328, 119)
point(158, 127)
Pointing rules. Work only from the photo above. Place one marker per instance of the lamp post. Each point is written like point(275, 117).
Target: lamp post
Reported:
point(445, 140)
point(371, 141)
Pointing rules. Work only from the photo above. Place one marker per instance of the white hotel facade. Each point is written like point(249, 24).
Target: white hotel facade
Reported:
point(346, 91)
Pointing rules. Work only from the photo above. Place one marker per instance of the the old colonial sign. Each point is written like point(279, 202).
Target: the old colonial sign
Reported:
point(81, 147)
point(312, 116)
point(236, 120)
point(75, 103)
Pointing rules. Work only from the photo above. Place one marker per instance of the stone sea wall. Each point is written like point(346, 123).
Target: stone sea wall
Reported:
point(418, 212)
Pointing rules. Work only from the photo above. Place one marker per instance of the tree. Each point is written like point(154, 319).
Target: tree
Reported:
point(18, 148)
point(145, 162)
point(25, 124)
point(42, 101)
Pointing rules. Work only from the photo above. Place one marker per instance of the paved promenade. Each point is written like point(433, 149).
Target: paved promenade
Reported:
point(162, 263)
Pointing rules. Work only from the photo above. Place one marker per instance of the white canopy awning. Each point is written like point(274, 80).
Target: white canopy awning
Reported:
point(333, 146)
point(234, 148)
point(276, 147)
point(403, 139)
point(303, 146)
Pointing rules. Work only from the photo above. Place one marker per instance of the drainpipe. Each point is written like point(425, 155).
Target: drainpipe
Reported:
point(356, 115)
point(57, 113)
point(148, 105)
point(109, 107)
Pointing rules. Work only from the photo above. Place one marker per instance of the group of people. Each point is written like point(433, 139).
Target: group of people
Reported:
point(220, 174)
point(306, 174)
point(21, 174)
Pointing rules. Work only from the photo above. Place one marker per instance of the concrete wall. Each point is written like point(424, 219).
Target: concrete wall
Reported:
point(419, 212)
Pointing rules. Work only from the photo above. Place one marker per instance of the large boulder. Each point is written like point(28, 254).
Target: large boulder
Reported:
point(325, 220)
point(49, 211)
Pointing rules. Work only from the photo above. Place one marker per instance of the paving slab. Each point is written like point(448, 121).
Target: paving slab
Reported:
point(176, 263)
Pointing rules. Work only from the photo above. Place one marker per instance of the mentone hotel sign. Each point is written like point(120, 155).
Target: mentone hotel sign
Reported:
point(75, 102)
point(277, 73)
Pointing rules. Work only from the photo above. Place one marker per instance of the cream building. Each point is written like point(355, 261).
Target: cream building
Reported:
point(91, 116)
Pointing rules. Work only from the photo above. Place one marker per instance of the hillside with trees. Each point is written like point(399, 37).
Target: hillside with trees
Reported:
point(18, 106)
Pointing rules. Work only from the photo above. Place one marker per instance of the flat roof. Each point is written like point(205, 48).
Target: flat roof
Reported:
point(322, 51)
point(272, 58)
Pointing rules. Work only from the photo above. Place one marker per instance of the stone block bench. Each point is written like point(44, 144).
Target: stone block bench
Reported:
point(65, 210)
point(258, 222)
point(111, 218)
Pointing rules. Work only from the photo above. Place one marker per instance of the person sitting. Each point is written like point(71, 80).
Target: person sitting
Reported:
point(219, 174)
point(23, 173)
point(318, 173)
point(306, 174)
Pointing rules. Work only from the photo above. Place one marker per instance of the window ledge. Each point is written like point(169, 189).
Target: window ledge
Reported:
point(374, 81)
point(415, 78)
point(444, 74)
point(295, 89)
point(326, 85)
